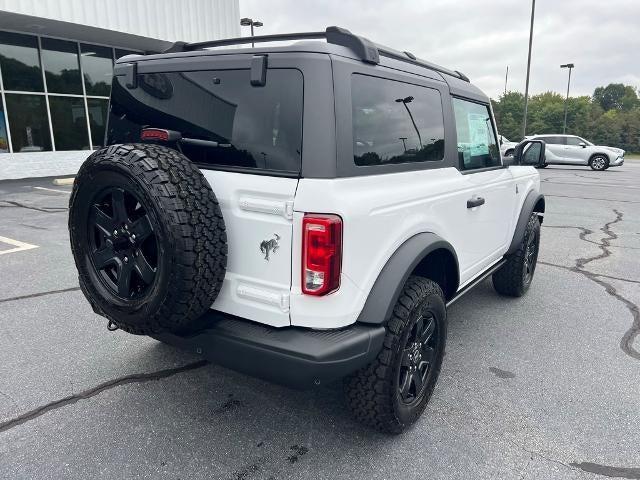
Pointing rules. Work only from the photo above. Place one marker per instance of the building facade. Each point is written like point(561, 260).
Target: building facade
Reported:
point(56, 63)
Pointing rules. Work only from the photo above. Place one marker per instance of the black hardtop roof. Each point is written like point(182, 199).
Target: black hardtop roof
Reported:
point(339, 41)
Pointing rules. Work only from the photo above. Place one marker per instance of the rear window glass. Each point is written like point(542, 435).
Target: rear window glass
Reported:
point(254, 127)
point(395, 122)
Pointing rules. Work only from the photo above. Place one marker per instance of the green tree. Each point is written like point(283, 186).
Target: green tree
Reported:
point(610, 117)
point(616, 96)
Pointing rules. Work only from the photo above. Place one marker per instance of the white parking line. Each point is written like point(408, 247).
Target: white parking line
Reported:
point(19, 246)
point(52, 190)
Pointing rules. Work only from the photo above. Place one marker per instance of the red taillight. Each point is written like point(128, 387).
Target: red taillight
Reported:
point(321, 253)
point(159, 135)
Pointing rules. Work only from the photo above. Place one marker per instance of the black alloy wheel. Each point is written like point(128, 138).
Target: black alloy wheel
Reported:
point(122, 244)
point(418, 355)
point(530, 257)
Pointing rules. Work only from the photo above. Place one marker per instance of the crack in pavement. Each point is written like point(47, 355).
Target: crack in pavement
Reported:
point(608, 471)
point(533, 453)
point(12, 204)
point(92, 392)
point(585, 232)
point(41, 294)
point(628, 339)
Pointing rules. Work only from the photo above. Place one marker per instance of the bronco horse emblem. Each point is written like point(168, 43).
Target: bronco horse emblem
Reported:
point(271, 245)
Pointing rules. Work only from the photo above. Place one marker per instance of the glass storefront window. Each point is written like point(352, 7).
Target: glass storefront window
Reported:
point(97, 68)
point(19, 62)
point(98, 111)
point(51, 88)
point(61, 66)
point(69, 123)
point(4, 139)
point(29, 123)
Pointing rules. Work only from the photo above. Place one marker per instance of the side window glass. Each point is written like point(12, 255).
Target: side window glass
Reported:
point(574, 141)
point(554, 140)
point(395, 122)
point(477, 145)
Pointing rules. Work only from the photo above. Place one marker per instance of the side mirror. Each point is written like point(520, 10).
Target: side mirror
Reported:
point(583, 145)
point(530, 152)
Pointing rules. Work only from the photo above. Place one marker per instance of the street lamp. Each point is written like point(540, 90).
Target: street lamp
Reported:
point(526, 88)
point(405, 101)
point(404, 145)
point(249, 22)
point(564, 125)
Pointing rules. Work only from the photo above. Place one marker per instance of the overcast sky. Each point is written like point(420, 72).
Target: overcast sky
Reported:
point(481, 37)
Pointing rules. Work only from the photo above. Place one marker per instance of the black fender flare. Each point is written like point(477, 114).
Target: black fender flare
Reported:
point(390, 282)
point(527, 209)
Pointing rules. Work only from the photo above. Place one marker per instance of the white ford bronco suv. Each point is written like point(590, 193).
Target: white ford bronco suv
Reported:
point(303, 213)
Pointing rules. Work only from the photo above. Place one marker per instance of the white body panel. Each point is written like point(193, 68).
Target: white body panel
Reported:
point(381, 212)
point(256, 208)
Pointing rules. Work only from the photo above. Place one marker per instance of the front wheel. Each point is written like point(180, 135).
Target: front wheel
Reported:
point(599, 162)
point(391, 392)
point(514, 277)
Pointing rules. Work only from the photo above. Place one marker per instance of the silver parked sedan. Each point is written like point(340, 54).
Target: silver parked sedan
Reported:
point(573, 150)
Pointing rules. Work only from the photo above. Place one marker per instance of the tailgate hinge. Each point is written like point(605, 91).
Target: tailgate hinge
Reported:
point(288, 209)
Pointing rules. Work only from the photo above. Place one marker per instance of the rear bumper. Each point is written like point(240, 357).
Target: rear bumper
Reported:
point(292, 356)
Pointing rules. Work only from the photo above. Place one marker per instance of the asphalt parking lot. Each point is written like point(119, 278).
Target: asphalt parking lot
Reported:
point(542, 387)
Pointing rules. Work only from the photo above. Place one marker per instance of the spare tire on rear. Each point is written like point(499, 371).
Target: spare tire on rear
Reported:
point(148, 238)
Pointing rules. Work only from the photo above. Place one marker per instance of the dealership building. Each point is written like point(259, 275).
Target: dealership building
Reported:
point(56, 62)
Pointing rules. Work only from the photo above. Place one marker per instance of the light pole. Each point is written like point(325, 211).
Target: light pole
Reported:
point(506, 77)
point(404, 145)
point(249, 22)
point(405, 101)
point(526, 88)
point(566, 102)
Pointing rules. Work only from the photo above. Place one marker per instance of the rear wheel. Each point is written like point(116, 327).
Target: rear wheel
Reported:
point(515, 276)
point(599, 162)
point(148, 238)
point(391, 392)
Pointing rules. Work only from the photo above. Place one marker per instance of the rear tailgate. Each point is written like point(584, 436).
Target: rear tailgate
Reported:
point(258, 213)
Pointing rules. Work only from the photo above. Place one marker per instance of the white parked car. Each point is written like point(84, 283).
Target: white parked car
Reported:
point(574, 150)
point(507, 147)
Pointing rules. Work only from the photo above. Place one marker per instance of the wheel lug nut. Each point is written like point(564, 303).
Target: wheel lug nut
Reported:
point(126, 259)
point(115, 233)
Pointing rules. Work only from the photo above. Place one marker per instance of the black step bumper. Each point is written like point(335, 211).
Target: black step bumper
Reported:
point(292, 356)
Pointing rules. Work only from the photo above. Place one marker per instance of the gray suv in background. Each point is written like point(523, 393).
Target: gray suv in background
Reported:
point(573, 150)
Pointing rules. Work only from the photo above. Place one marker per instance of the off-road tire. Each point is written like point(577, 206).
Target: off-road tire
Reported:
point(512, 279)
point(372, 392)
point(188, 227)
point(599, 162)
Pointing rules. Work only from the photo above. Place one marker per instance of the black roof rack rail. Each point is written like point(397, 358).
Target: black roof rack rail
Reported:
point(408, 57)
point(368, 51)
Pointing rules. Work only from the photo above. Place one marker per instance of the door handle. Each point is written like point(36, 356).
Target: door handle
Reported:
point(475, 202)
